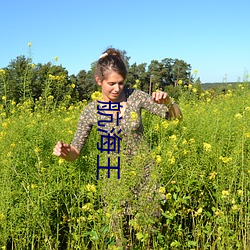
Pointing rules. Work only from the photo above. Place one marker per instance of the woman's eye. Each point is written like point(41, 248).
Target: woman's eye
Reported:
point(112, 84)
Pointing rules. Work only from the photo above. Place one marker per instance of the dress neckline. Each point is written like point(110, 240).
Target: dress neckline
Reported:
point(126, 92)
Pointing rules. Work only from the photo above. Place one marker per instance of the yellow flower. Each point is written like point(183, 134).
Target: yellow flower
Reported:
point(238, 116)
point(4, 124)
point(156, 127)
point(60, 161)
point(162, 190)
point(108, 215)
point(212, 175)
point(133, 116)
point(133, 173)
point(135, 86)
point(175, 122)
point(235, 207)
point(246, 108)
point(247, 135)
point(207, 147)
point(37, 149)
point(180, 82)
point(91, 188)
point(168, 196)
point(164, 124)
point(195, 71)
point(87, 207)
point(29, 44)
point(137, 81)
point(198, 212)
point(90, 217)
point(190, 86)
point(194, 90)
point(73, 85)
point(51, 77)
point(218, 212)
point(3, 97)
point(2, 217)
point(173, 137)
point(81, 219)
point(225, 193)
point(171, 160)
point(158, 159)
point(225, 159)
point(96, 96)
point(184, 141)
point(239, 192)
point(2, 72)
point(191, 140)
point(56, 58)
point(50, 97)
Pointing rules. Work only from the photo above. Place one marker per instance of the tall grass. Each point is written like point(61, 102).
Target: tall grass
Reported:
point(201, 169)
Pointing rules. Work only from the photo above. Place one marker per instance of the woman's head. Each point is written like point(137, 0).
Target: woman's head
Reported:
point(111, 60)
point(110, 74)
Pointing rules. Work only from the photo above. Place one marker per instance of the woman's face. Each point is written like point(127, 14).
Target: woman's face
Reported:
point(112, 86)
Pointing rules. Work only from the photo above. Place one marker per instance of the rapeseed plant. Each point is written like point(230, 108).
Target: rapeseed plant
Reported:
point(207, 147)
point(207, 194)
point(96, 96)
point(225, 159)
point(225, 193)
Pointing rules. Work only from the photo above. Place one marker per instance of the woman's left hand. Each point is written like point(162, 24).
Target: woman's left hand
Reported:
point(161, 97)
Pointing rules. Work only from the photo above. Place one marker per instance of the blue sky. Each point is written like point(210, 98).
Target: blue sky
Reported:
point(212, 36)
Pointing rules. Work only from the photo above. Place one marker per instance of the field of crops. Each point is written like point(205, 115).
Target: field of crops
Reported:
point(201, 167)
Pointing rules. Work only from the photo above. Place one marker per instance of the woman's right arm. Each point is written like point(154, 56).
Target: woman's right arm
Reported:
point(70, 152)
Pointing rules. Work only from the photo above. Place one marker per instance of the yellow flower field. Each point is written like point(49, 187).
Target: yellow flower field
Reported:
point(201, 166)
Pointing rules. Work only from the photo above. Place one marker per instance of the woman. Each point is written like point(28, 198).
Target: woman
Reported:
point(110, 74)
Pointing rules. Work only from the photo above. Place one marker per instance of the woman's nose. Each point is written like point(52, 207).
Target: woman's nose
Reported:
point(116, 87)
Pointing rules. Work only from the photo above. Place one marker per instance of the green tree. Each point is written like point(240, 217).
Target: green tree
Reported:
point(168, 72)
point(18, 79)
point(181, 71)
point(52, 80)
point(86, 84)
point(138, 73)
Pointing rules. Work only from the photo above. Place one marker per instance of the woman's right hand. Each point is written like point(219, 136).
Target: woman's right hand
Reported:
point(66, 151)
point(61, 149)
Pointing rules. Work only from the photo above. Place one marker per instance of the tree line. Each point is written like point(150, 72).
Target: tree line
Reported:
point(22, 79)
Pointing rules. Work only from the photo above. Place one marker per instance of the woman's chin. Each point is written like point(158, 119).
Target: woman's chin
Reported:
point(113, 97)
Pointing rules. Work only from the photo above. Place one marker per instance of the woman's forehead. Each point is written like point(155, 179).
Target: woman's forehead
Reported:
point(113, 76)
